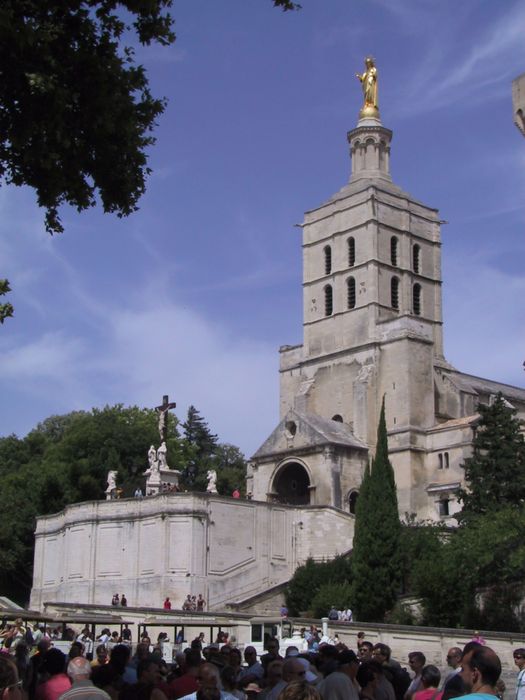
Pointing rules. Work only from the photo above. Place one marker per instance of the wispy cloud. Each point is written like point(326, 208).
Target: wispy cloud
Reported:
point(51, 356)
point(452, 70)
point(147, 349)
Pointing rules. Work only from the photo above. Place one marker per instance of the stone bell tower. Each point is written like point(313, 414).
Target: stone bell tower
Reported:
point(371, 318)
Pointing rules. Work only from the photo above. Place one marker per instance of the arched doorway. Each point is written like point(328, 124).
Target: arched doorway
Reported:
point(291, 485)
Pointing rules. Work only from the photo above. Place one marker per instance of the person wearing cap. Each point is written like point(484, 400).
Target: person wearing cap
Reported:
point(339, 685)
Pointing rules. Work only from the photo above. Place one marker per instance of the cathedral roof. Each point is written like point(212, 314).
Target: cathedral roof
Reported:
point(307, 431)
point(463, 422)
point(479, 385)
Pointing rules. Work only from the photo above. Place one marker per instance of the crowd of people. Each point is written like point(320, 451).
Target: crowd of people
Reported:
point(106, 668)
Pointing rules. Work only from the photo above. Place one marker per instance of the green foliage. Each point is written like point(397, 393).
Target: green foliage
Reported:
point(486, 554)
point(200, 449)
point(202, 452)
point(502, 609)
point(376, 546)
point(416, 539)
point(495, 473)
point(6, 310)
point(309, 578)
point(328, 595)
point(400, 615)
point(230, 464)
point(286, 5)
point(76, 111)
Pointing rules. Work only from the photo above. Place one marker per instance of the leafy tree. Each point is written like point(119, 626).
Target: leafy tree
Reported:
point(417, 538)
point(287, 5)
point(337, 595)
point(202, 452)
point(231, 465)
point(495, 473)
point(76, 112)
point(6, 309)
point(376, 546)
point(482, 562)
point(309, 578)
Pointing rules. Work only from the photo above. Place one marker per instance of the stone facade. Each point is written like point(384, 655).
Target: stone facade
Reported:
point(175, 544)
point(518, 102)
point(372, 320)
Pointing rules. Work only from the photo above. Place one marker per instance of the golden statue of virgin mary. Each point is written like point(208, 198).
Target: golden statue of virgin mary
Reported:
point(368, 81)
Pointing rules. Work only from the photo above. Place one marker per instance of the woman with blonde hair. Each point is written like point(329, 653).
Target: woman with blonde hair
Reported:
point(299, 690)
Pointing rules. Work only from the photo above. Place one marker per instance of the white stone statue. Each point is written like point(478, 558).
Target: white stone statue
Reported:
point(162, 456)
point(212, 481)
point(152, 460)
point(112, 485)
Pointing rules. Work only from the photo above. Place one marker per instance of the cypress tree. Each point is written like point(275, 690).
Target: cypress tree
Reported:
point(495, 473)
point(376, 546)
point(201, 445)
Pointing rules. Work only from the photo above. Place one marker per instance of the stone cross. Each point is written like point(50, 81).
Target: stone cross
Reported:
point(162, 412)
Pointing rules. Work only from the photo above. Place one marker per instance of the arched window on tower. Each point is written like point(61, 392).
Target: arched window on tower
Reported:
point(327, 260)
point(352, 501)
point(416, 299)
point(393, 251)
point(351, 251)
point(416, 255)
point(394, 293)
point(328, 300)
point(350, 291)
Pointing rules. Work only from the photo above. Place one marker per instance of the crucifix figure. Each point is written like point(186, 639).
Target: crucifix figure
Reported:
point(162, 412)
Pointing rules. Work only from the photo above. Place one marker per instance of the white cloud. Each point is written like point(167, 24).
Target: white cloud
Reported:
point(52, 356)
point(149, 350)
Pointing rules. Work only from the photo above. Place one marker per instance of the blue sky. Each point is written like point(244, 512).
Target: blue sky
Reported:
point(193, 294)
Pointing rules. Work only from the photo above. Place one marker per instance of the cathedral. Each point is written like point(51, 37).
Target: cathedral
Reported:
point(373, 330)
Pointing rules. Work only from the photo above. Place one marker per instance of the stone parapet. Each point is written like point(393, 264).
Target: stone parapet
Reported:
point(177, 544)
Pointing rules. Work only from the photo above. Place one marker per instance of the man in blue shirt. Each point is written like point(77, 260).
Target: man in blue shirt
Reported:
point(480, 670)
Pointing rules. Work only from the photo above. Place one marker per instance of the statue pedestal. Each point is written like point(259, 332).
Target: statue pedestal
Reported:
point(161, 481)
